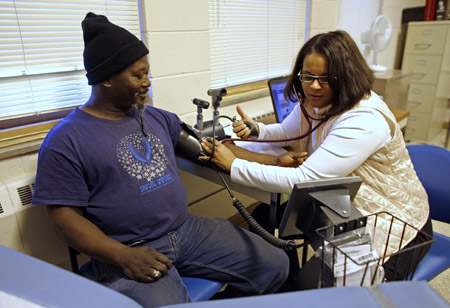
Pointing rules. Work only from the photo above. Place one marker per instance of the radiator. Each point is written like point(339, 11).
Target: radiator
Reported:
point(27, 228)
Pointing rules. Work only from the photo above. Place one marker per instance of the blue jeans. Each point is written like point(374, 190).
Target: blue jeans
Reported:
point(209, 248)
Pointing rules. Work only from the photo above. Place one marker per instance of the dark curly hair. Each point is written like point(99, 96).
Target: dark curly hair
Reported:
point(350, 77)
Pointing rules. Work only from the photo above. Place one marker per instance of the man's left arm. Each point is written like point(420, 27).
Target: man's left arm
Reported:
point(225, 154)
point(262, 158)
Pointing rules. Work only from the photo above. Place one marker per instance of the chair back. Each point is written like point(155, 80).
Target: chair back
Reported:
point(432, 165)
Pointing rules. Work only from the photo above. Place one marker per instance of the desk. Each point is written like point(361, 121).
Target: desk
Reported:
point(209, 173)
point(402, 117)
point(393, 86)
point(410, 294)
point(26, 281)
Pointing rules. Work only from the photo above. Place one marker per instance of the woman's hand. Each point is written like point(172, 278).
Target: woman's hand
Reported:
point(292, 159)
point(223, 157)
point(240, 128)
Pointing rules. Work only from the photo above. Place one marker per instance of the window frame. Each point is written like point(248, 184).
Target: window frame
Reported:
point(44, 46)
point(22, 133)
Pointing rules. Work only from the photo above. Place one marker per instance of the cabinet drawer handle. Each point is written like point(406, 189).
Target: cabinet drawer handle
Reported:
point(419, 74)
point(414, 104)
point(427, 32)
point(412, 118)
point(416, 91)
point(422, 45)
point(409, 130)
point(421, 62)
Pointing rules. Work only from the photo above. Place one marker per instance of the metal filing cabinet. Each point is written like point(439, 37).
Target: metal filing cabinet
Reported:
point(427, 55)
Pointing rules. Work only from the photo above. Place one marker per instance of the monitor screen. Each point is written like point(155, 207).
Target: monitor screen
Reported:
point(319, 203)
point(281, 107)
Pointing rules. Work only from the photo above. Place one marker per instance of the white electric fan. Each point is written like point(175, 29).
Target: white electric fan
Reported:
point(376, 40)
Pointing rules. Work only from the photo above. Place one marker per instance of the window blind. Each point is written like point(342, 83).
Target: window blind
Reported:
point(41, 55)
point(255, 40)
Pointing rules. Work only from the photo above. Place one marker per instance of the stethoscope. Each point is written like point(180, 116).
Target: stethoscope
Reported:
point(308, 118)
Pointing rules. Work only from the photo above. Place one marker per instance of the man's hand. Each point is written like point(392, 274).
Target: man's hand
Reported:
point(137, 263)
point(240, 129)
point(223, 157)
point(143, 264)
point(291, 159)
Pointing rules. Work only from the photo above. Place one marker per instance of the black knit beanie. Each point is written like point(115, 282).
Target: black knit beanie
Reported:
point(108, 48)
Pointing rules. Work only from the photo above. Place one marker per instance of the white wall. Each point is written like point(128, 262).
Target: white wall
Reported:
point(176, 33)
point(17, 167)
point(323, 16)
point(393, 10)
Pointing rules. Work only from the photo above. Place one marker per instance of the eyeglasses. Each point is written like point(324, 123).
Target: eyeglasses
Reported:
point(310, 78)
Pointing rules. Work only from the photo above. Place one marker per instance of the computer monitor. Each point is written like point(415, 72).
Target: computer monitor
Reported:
point(281, 107)
point(320, 203)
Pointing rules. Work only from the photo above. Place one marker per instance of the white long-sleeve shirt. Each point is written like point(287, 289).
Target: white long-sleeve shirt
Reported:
point(353, 137)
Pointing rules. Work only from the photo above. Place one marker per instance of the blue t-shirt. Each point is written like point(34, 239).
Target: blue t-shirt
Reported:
point(129, 185)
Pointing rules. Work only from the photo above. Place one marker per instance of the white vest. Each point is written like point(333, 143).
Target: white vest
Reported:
point(390, 182)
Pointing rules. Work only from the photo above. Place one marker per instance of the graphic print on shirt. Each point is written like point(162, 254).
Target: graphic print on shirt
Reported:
point(144, 159)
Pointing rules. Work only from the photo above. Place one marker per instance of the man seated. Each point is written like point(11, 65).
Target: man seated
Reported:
point(108, 175)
